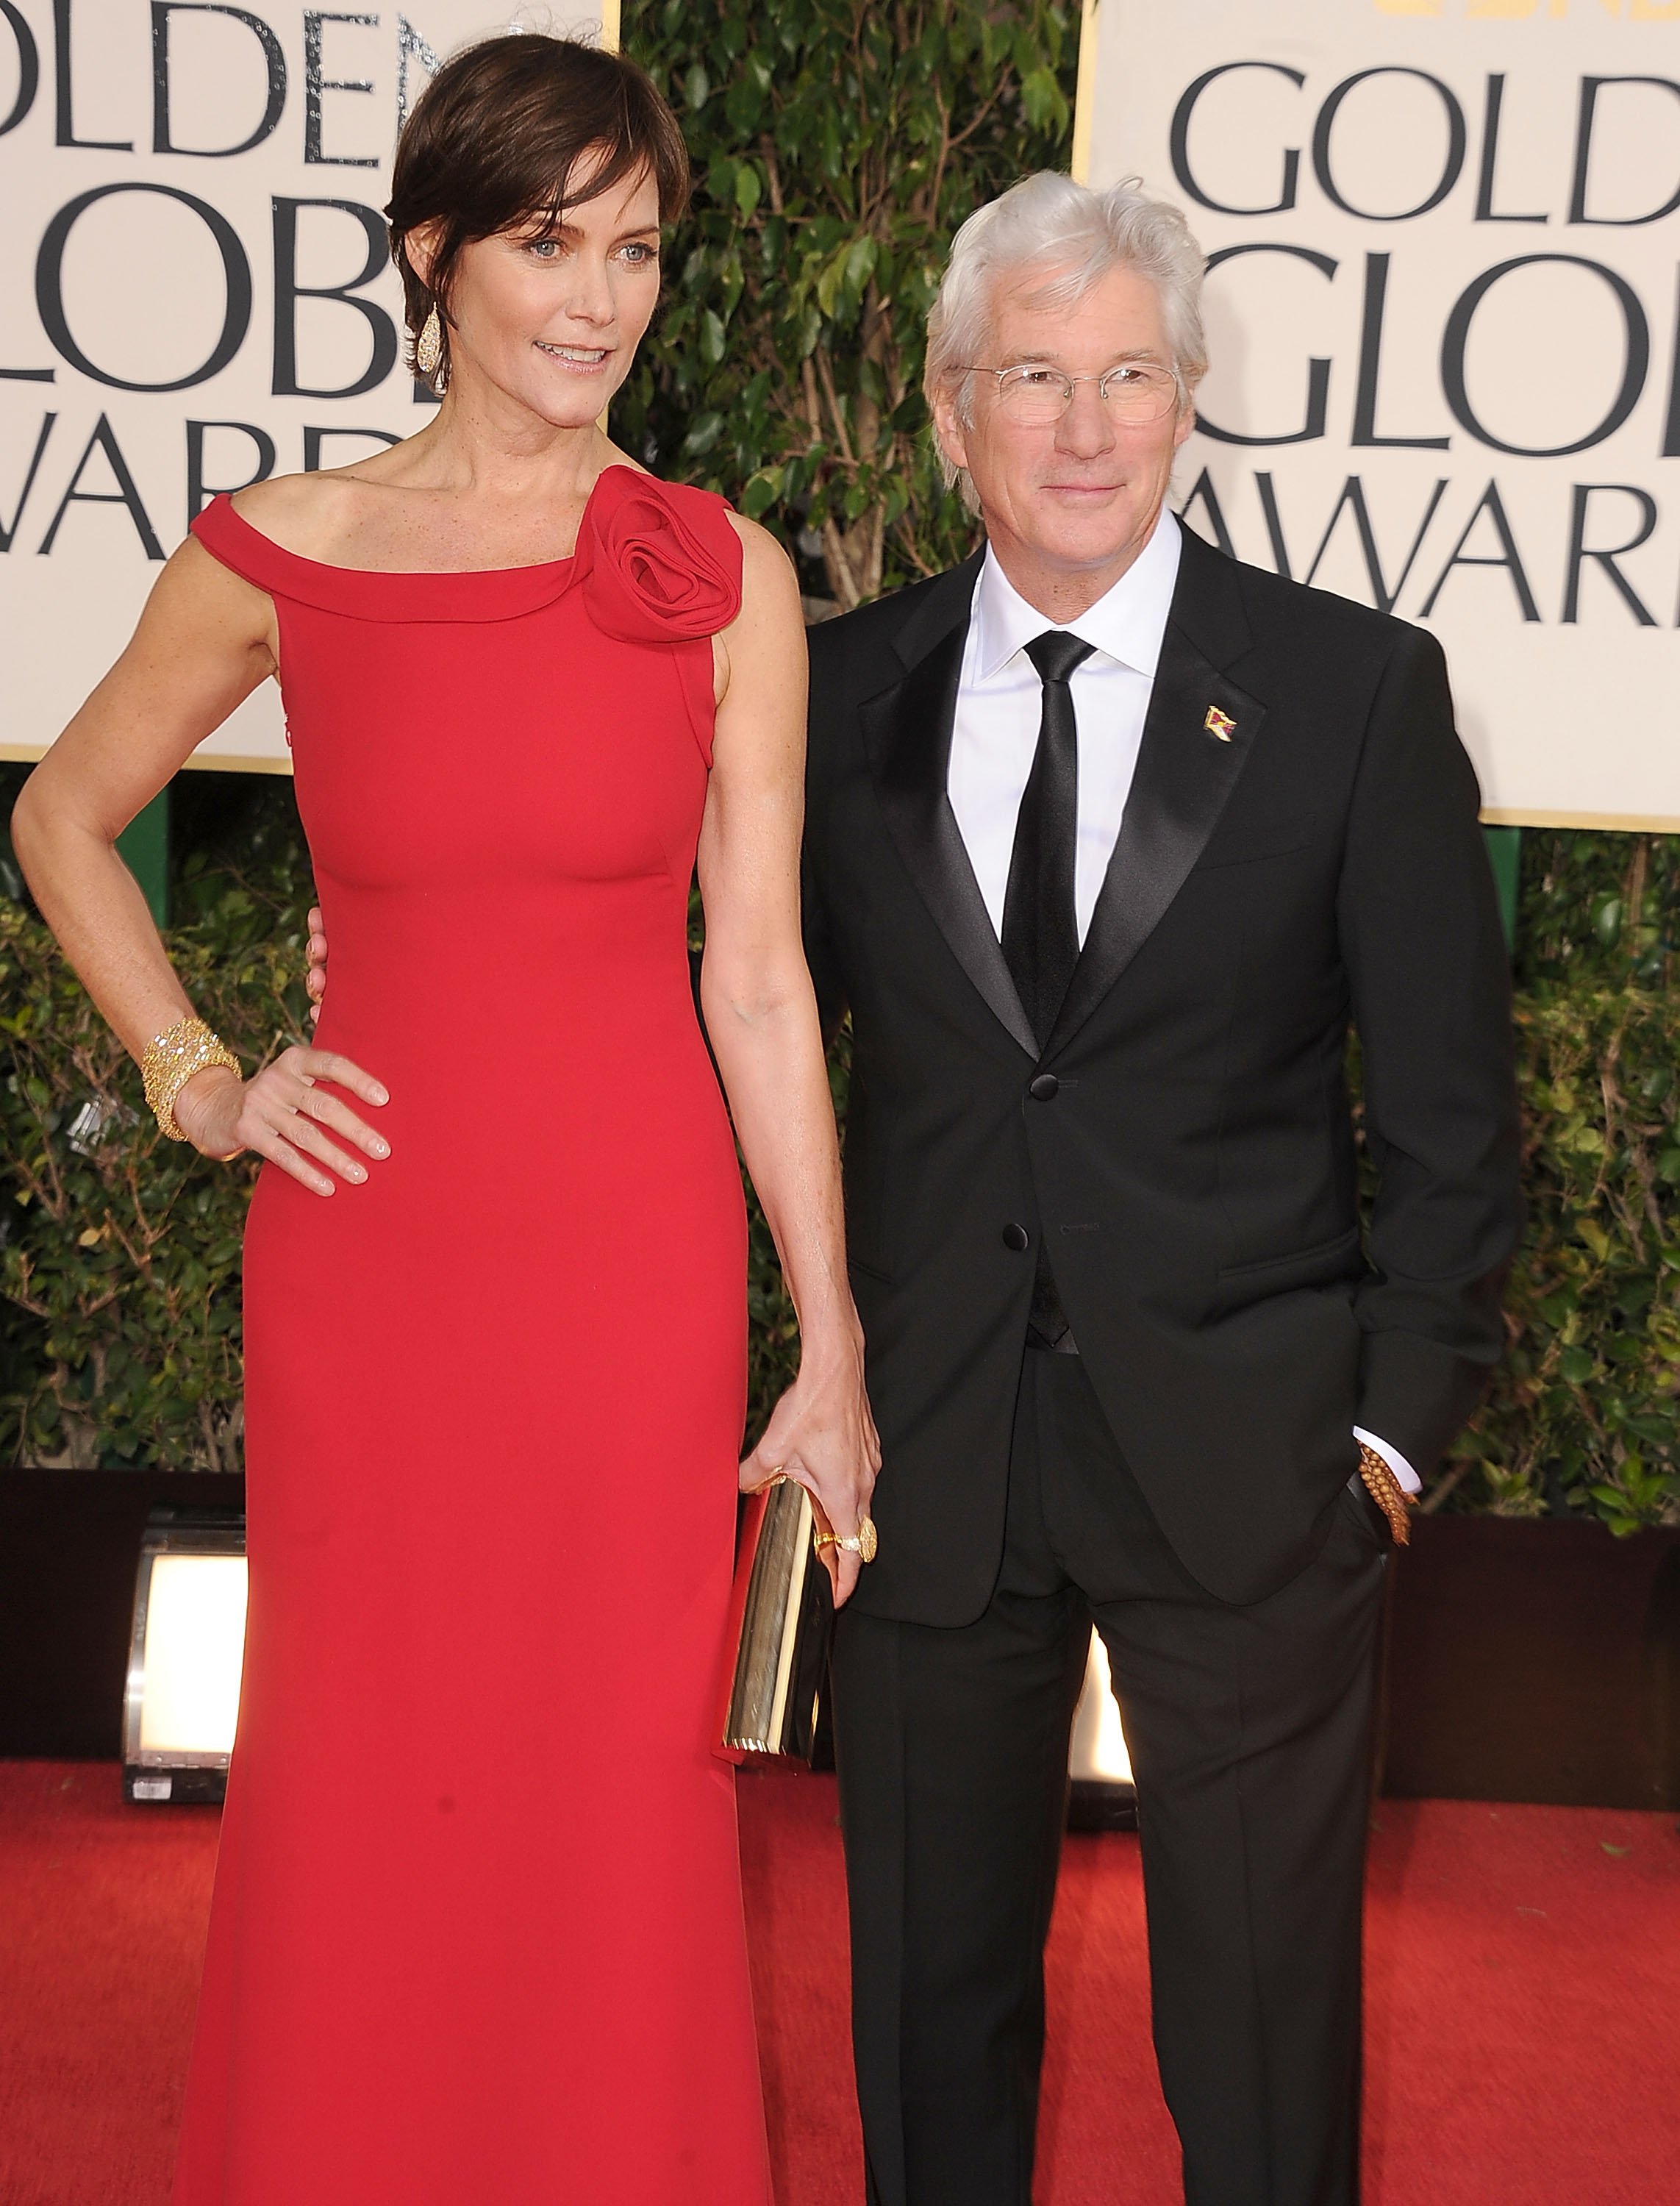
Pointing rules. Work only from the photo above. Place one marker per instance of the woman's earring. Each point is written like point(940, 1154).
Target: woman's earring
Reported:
point(429, 346)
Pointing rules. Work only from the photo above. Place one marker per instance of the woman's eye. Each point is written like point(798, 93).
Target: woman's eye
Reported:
point(640, 255)
point(544, 249)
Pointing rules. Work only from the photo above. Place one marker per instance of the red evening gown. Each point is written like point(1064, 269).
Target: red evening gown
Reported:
point(477, 1937)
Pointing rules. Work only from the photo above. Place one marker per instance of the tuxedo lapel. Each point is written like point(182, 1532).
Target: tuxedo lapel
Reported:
point(1197, 735)
point(908, 732)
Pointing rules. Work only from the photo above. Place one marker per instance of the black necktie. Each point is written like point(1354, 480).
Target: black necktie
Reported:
point(1040, 925)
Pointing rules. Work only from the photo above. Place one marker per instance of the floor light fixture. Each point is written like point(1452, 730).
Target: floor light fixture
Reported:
point(1101, 1794)
point(184, 1656)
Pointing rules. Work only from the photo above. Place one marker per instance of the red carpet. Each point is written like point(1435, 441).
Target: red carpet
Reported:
point(1524, 2002)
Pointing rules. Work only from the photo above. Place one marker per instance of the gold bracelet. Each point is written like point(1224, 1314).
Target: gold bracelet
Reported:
point(170, 1060)
point(1386, 1491)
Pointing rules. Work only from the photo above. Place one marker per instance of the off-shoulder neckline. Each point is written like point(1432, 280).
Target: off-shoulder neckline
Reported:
point(434, 573)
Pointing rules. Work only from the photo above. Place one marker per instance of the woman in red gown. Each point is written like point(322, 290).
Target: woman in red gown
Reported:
point(477, 1931)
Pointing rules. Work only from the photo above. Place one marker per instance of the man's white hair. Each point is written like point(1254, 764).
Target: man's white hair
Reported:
point(1075, 235)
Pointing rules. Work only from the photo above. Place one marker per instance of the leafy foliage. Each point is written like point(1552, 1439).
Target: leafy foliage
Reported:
point(1604, 907)
point(838, 146)
point(1583, 1415)
point(119, 1255)
point(120, 1251)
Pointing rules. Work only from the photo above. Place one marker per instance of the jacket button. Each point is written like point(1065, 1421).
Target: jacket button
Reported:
point(1044, 1087)
point(1017, 1237)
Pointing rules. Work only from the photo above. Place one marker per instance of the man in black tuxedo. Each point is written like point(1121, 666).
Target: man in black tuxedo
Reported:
point(1110, 839)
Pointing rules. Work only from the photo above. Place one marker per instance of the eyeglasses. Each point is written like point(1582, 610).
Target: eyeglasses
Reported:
point(1037, 396)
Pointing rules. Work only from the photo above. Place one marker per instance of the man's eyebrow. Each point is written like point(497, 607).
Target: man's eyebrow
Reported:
point(1050, 358)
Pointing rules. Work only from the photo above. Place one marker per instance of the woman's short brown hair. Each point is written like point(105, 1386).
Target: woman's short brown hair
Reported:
point(494, 139)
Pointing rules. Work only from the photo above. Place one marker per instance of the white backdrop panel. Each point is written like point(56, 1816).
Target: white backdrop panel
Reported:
point(1442, 322)
point(193, 292)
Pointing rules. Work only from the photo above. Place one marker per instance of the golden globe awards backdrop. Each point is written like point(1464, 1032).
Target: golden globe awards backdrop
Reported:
point(1442, 310)
point(194, 292)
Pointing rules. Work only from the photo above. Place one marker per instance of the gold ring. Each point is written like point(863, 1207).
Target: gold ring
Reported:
point(864, 1543)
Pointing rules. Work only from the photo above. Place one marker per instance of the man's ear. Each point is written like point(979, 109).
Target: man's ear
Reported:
point(948, 426)
point(1187, 422)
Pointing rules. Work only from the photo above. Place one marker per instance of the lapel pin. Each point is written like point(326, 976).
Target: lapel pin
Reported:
point(1220, 724)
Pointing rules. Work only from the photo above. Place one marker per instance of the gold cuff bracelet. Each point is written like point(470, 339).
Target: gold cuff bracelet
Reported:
point(170, 1060)
point(1386, 1491)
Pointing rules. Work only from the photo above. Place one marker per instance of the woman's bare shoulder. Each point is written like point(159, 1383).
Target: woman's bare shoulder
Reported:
point(308, 514)
point(769, 580)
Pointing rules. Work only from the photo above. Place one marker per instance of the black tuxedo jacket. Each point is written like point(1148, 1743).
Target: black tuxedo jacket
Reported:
point(1316, 863)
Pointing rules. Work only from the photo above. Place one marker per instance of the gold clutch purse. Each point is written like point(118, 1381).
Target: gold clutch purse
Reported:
point(781, 1620)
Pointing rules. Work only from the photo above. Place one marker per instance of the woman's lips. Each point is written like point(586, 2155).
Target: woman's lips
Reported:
point(577, 360)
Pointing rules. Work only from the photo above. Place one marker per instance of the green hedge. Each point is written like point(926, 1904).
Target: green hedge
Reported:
point(1582, 1414)
point(119, 1252)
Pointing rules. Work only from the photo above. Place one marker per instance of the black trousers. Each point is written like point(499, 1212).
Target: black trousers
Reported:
point(1248, 1731)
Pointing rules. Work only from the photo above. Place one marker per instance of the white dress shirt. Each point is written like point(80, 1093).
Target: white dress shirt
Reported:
point(998, 701)
point(999, 698)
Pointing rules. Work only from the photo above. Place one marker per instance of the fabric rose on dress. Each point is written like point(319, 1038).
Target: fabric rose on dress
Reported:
point(661, 561)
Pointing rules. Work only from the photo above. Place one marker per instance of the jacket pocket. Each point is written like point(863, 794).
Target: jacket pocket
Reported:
point(1244, 843)
point(1316, 1257)
point(1370, 1525)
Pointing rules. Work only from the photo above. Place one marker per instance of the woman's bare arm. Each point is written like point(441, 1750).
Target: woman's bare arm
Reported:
point(205, 641)
point(761, 1017)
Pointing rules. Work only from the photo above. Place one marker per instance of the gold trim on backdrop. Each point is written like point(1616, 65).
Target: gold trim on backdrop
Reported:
point(201, 762)
point(236, 762)
point(1616, 823)
point(1085, 94)
point(1607, 823)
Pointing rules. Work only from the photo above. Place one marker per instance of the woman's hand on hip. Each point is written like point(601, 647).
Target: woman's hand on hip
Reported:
point(822, 1434)
point(283, 1116)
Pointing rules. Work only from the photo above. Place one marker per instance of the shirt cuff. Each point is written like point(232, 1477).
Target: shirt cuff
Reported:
point(1396, 1463)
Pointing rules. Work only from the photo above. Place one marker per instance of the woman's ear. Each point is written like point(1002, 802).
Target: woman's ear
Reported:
point(419, 249)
